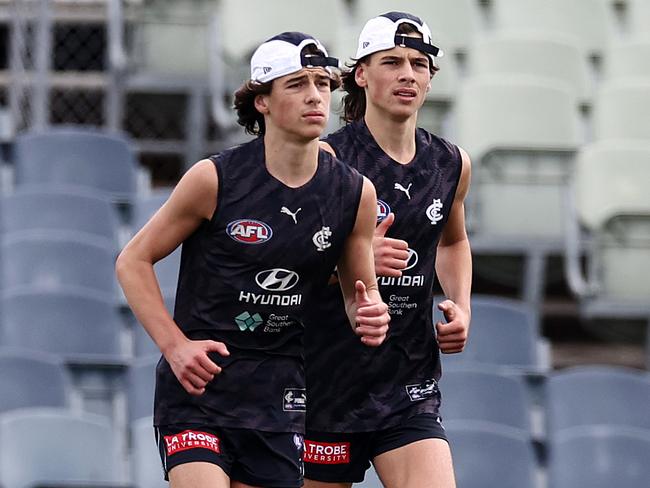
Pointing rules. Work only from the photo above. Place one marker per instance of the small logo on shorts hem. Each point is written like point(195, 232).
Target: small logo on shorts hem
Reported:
point(424, 390)
point(191, 439)
point(294, 400)
point(327, 452)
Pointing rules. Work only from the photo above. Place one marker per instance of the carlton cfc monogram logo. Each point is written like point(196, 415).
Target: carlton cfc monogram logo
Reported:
point(249, 231)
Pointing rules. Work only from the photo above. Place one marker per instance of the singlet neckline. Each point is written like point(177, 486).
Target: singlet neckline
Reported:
point(307, 184)
point(365, 131)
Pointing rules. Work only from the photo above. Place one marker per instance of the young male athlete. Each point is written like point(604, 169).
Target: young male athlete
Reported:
point(262, 227)
point(382, 405)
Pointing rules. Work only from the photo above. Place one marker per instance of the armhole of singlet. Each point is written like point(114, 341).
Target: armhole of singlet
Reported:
point(459, 160)
point(217, 161)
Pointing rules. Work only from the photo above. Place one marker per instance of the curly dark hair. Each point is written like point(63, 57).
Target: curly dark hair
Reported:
point(354, 101)
point(247, 115)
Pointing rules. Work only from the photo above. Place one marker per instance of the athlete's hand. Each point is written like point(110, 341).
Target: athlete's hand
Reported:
point(452, 335)
point(391, 255)
point(192, 366)
point(371, 316)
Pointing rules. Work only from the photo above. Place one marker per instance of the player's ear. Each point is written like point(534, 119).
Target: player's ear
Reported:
point(360, 75)
point(261, 104)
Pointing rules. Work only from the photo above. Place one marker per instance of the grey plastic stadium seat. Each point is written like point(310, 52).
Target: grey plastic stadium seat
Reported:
point(485, 396)
point(537, 55)
point(454, 23)
point(504, 332)
point(51, 261)
point(629, 58)
point(141, 386)
point(591, 395)
point(31, 379)
point(491, 456)
point(89, 158)
point(621, 110)
point(60, 209)
point(59, 448)
point(145, 461)
point(591, 23)
point(618, 259)
point(521, 134)
point(78, 325)
point(600, 457)
point(638, 17)
point(163, 31)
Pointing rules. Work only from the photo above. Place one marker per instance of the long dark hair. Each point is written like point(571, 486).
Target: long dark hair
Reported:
point(247, 115)
point(354, 100)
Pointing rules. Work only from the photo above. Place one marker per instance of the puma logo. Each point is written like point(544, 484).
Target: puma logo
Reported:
point(399, 187)
point(285, 210)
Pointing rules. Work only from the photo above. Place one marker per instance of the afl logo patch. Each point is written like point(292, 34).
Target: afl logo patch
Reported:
point(382, 210)
point(249, 231)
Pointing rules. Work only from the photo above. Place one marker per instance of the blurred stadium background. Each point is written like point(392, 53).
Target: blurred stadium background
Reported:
point(105, 103)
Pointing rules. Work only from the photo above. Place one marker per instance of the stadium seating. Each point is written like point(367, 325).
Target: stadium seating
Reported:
point(629, 59)
point(141, 385)
point(600, 457)
point(521, 161)
point(590, 23)
point(60, 209)
point(32, 379)
point(617, 282)
point(49, 261)
point(638, 17)
point(491, 456)
point(621, 110)
point(89, 158)
point(485, 395)
point(145, 461)
point(532, 54)
point(79, 325)
point(504, 332)
point(56, 447)
point(591, 395)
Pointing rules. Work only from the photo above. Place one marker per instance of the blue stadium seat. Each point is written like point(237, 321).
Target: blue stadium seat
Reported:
point(491, 455)
point(146, 465)
point(503, 332)
point(49, 261)
point(78, 325)
point(88, 158)
point(61, 209)
point(486, 396)
point(600, 457)
point(591, 395)
point(32, 379)
point(58, 448)
point(141, 386)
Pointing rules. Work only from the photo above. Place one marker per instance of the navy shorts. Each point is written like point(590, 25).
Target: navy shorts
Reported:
point(269, 459)
point(333, 457)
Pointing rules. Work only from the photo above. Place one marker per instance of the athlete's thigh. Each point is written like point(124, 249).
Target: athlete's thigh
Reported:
point(198, 475)
point(422, 464)
point(320, 484)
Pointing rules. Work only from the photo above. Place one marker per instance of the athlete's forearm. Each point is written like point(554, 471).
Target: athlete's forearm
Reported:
point(140, 285)
point(454, 272)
